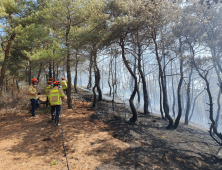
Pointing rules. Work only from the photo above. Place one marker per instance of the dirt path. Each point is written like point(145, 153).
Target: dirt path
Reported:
point(101, 139)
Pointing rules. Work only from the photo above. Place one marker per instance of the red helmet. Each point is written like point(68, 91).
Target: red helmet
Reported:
point(49, 82)
point(63, 78)
point(34, 80)
point(56, 82)
point(51, 79)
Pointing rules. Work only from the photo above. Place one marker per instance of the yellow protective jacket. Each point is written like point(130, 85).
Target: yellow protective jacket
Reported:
point(47, 90)
point(32, 92)
point(55, 96)
point(64, 85)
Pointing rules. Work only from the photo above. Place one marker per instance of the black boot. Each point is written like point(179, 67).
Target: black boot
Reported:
point(53, 117)
point(56, 122)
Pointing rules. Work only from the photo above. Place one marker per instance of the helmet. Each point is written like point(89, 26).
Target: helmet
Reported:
point(49, 82)
point(34, 80)
point(63, 78)
point(56, 82)
point(51, 79)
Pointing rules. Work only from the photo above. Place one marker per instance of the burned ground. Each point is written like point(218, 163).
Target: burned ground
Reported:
point(100, 138)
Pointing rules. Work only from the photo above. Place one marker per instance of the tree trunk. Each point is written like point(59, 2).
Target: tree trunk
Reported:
point(173, 105)
point(138, 92)
point(40, 70)
point(179, 96)
point(145, 93)
point(165, 104)
point(7, 52)
point(134, 118)
point(17, 85)
point(90, 73)
point(213, 127)
point(177, 121)
point(57, 71)
point(219, 94)
point(30, 73)
point(53, 68)
point(76, 74)
point(50, 70)
point(94, 87)
point(188, 98)
point(68, 63)
point(97, 75)
point(161, 107)
point(110, 70)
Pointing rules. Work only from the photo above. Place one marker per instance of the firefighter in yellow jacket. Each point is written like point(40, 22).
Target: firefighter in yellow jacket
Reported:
point(64, 85)
point(33, 96)
point(55, 97)
point(47, 90)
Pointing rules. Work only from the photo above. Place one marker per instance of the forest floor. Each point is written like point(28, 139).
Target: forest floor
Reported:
point(99, 139)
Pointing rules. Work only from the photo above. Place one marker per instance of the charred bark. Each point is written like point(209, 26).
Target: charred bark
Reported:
point(161, 107)
point(213, 128)
point(173, 105)
point(69, 99)
point(97, 74)
point(90, 73)
point(219, 94)
point(145, 93)
point(134, 112)
point(177, 121)
point(188, 98)
point(179, 96)
point(165, 104)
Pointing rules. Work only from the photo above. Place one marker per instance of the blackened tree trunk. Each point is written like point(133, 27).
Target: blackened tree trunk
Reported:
point(213, 128)
point(90, 73)
point(97, 74)
point(69, 99)
point(115, 76)
point(161, 107)
point(165, 104)
point(188, 98)
point(173, 105)
point(134, 118)
point(134, 71)
point(94, 87)
point(179, 96)
point(219, 94)
point(145, 93)
point(110, 72)
point(177, 121)
point(17, 85)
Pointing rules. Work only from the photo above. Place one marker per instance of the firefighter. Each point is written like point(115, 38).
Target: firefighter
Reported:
point(64, 85)
point(33, 96)
point(55, 97)
point(51, 79)
point(47, 90)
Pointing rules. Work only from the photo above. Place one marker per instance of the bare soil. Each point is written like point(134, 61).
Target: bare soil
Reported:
point(99, 138)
